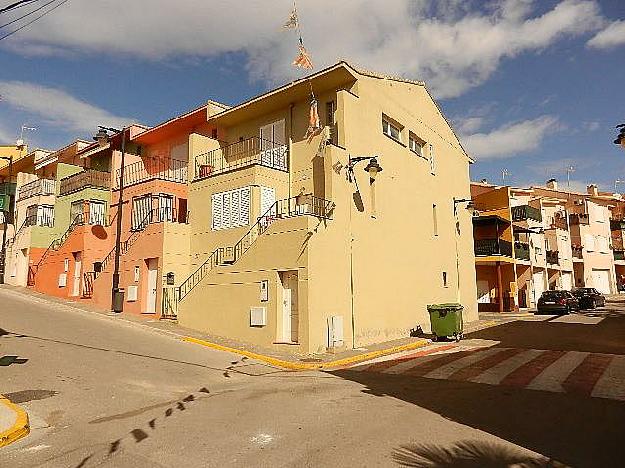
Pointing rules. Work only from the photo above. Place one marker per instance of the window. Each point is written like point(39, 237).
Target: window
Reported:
point(445, 279)
point(231, 209)
point(589, 242)
point(76, 211)
point(331, 121)
point(434, 220)
point(432, 160)
point(96, 213)
point(416, 144)
point(141, 212)
point(45, 215)
point(391, 129)
point(165, 207)
point(273, 145)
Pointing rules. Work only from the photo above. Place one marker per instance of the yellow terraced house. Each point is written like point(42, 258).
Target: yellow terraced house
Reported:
point(312, 243)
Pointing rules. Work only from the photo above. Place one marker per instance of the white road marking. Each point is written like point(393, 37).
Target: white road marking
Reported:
point(446, 370)
point(495, 374)
point(552, 377)
point(612, 382)
point(35, 448)
point(410, 363)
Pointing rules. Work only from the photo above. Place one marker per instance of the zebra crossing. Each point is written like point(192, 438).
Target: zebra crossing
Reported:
point(583, 373)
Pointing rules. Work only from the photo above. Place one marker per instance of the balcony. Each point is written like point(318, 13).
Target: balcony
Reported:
point(559, 222)
point(619, 254)
point(83, 180)
point(522, 250)
point(36, 188)
point(579, 218)
point(578, 251)
point(553, 257)
point(242, 154)
point(525, 212)
point(617, 224)
point(172, 170)
point(492, 247)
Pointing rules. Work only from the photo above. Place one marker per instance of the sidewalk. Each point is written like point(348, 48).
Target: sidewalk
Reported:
point(13, 422)
point(287, 358)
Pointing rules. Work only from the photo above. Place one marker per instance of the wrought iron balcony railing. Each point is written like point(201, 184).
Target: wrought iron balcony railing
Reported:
point(245, 153)
point(172, 170)
point(83, 180)
point(579, 218)
point(525, 212)
point(37, 188)
point(559, 222)
point(492, 247)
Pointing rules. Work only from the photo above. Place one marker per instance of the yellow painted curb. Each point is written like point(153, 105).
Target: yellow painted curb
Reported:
point(308, 365)
point(20, 429)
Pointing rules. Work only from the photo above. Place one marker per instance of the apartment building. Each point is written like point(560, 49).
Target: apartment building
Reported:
point(339, 238)
point(540, 238)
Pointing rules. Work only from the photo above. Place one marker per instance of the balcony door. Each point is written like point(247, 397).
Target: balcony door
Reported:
point(96, 213)
point(141, 208)
point(273, 145)
point(165, 207)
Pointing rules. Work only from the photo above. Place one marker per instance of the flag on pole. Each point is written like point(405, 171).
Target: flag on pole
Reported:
point(292, 22)
point(303, 59)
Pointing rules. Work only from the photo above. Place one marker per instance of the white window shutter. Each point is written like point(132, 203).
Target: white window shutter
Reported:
point(235, 213)
point(227, 210)
point(267, 199)
point(244, 213)
point(217, 211)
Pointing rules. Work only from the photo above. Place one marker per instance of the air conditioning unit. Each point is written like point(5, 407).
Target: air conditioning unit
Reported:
point(258, 316)
point(132, 293)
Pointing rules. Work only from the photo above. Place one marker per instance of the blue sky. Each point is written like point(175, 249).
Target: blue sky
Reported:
point(532, 86)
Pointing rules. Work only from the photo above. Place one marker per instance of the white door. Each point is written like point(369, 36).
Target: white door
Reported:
point(601, 280)
point(290, 317)
point(150, 307)
point(77, 273)
point(539, 284)
point(483, 292)
point(567, 281)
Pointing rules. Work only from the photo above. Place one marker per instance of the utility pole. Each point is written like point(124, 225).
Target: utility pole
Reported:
point(5, 216)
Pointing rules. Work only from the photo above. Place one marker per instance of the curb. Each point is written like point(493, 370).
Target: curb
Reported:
point(20, 428)
point(305, 365)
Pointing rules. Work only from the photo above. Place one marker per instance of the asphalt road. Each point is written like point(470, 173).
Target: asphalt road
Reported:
point(102, 392)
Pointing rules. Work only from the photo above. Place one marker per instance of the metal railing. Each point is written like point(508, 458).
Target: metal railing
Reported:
point(488, 247)
point(159, 215)
point(553, 257)
point(85, 179)
point(172, 170)
point(36, 188)
point(619, 254)
point(559, 222)
point(38, 220)
point(522, 250)
point(525, 212)
point(577, 251)
point(305, 205)
point(242, 154)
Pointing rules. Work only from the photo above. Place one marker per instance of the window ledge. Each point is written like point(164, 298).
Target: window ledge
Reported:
point(399, 142)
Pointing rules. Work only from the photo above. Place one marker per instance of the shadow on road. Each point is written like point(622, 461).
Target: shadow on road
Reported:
point(467, 454)
point(11, 359)
point(24, 396)
point(576, 430)
point(607, 336)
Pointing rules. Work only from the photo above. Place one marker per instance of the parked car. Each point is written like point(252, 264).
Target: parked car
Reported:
point(589, 298)
point(557, 302)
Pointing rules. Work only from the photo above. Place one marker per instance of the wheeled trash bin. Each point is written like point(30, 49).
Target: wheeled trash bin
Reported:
point(446, 320)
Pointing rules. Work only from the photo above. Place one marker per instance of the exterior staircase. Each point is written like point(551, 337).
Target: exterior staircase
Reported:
point(281, 209)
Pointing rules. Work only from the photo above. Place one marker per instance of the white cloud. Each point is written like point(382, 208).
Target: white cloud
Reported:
point(612, 36)
point(451, 44)
point(56, 107)
point(510, 139)
point(591, 126)
point(469, 125)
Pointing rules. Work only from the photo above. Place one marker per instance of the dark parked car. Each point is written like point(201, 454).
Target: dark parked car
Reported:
point(557, 302)
point(589, 298)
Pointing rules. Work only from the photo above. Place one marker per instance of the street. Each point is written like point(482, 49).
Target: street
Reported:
point(103, 392)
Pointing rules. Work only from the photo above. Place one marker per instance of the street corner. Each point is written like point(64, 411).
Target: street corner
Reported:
point(14, 423)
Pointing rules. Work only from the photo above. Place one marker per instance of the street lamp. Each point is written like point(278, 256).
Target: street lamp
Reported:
point(5, 216)
point(103, 138)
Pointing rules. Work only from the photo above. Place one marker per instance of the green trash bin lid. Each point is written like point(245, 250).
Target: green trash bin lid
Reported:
point(445, 307)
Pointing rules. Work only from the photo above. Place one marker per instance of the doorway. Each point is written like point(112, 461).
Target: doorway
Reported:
point(290, 316)
point(77, 273)
point(152, 283)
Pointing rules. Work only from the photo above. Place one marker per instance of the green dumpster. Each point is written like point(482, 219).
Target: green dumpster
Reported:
point(446, 320)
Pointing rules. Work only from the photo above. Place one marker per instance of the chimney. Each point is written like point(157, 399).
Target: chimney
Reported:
point(484, 181)
point(552, 184)
point(592, 190)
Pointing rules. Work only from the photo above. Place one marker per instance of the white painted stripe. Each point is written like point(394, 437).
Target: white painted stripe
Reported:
point(445, 371)
point(408, 364)
point(552, 377)
point(612, 382)
point(495, 374)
